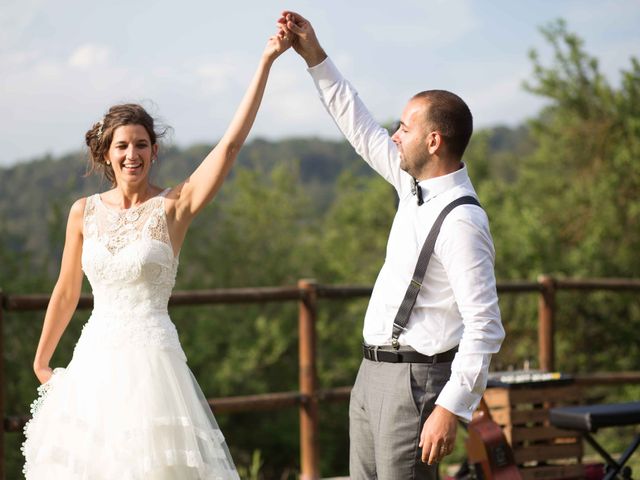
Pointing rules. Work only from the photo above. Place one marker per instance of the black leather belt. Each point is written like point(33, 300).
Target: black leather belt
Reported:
point(387, 353)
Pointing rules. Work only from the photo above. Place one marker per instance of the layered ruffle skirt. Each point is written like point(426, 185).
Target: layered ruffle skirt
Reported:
point(124, 413)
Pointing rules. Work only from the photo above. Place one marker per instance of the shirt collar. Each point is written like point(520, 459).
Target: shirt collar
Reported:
point(433, 187)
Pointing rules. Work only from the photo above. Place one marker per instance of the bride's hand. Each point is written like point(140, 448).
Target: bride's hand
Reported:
point(277, 45)
point(43, 373)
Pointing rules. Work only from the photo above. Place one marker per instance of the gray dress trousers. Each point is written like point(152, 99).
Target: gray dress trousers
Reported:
point(389, 405)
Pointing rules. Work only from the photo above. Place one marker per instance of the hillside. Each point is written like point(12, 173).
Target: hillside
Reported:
point(36, 195)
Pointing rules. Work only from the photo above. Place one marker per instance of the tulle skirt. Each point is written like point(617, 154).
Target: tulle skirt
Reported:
point(125, 414)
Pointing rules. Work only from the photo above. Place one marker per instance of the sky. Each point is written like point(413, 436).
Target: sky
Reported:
point(63, 63)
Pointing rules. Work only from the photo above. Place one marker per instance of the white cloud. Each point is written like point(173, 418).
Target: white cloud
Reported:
point(603, 14)
point(288, 96)
point(15, 18)
point(18, 59)
point(217, 77)
point(503, 102)
point(89, 56)
point(50, 100)
point(434, 23)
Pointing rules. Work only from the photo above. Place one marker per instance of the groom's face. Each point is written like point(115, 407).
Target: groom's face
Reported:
point(411, 137)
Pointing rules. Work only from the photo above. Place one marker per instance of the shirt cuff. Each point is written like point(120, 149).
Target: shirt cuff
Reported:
point(325, 73)
point(457, 401)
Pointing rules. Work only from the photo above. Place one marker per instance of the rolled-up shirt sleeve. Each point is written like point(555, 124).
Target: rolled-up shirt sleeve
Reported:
point(466, 251)
point(370, 140)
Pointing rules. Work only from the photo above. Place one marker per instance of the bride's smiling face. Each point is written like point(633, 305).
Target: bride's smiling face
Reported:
point(131, 154)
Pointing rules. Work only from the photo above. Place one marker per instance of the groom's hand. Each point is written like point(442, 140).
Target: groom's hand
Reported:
point(438, 435)
point(305, 41)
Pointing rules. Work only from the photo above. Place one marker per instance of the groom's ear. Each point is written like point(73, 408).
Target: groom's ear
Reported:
point(434, 141)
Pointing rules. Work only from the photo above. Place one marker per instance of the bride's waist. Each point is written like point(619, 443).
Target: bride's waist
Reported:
point(153, 329)
point(130, 312)
point(130, 320)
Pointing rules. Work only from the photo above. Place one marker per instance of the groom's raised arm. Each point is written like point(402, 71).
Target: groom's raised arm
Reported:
point(368, 138)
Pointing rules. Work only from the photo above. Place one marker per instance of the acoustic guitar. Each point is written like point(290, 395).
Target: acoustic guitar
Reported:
point(489, 454)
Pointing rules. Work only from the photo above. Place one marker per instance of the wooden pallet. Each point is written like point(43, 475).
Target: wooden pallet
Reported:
point(541, 451)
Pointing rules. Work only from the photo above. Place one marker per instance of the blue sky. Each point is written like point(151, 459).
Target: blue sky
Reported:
point(64, 62)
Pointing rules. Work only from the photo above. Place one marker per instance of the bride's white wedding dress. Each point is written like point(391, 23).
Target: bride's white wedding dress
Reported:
point(127, 407)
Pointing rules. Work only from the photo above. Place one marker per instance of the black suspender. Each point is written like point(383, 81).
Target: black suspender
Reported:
point(404, 312)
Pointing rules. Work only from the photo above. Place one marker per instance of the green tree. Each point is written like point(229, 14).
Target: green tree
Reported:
point(573, 209)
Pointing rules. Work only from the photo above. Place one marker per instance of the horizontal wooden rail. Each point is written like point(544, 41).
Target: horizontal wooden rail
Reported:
point(178, 298)
point(338, 394)
point(15, 423)
point(611, 284)
point(37, 301)
point(16, 302)
point(236, 295)
point(345, 291)
point(306, 294)
point(607, 378)
point(241, 403)
point(266, 401)
point(276, 401)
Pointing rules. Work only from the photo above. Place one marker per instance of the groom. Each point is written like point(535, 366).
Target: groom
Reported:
point(412, 389)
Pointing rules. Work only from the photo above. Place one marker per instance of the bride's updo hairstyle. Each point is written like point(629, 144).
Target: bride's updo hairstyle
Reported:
point(99, 136)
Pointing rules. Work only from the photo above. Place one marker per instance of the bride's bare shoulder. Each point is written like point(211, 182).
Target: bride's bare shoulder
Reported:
point(77, 208)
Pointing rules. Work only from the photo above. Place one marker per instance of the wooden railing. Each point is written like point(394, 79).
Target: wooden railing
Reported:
point(307, 293)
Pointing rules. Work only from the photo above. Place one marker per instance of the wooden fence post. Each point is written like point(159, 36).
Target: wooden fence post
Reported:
point(309, 460)
point(2, 412)
point(546, 323)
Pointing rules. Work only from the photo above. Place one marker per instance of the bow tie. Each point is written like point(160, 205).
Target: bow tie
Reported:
point(416, 190)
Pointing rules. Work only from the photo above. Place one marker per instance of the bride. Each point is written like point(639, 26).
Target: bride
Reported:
point(127, 407)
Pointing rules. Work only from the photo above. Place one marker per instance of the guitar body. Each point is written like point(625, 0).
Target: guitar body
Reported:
point(488, 451)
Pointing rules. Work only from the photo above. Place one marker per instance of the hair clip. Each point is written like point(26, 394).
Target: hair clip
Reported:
point(101, 124)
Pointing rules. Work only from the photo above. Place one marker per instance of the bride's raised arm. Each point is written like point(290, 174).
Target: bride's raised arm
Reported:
point(201, 186)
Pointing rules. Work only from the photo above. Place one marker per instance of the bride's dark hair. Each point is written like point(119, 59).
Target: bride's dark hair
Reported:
point(98, 137)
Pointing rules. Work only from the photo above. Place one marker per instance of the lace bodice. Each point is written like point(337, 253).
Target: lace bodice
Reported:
point(129, 261)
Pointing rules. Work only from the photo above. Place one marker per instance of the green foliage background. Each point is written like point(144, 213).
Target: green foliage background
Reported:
point(561, 193)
